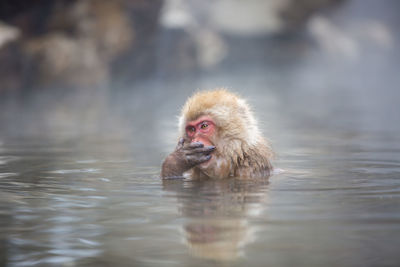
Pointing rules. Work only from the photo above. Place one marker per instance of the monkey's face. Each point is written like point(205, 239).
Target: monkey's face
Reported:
point(201, 130)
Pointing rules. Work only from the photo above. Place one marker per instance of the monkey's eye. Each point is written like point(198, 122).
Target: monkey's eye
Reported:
point(190, 129)
point(203, 125)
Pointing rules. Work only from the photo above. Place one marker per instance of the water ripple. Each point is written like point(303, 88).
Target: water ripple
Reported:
point(7, 174)
point(89, 170)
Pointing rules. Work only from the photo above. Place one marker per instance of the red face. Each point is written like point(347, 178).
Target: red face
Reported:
point(201, 130)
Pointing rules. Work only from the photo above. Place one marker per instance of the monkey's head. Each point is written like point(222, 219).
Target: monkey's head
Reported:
point(219, 118)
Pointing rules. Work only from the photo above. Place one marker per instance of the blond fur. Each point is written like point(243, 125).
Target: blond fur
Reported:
point(241, 149)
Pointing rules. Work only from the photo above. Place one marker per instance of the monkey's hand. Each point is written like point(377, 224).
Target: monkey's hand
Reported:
point(185, 157)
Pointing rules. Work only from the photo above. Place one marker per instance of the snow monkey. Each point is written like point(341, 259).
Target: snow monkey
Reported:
point(219, 139)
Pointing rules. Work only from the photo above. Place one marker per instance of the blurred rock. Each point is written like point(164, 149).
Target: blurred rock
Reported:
point(297, 12)
point(71, 62)
point(90, 43)
point(10, 66)
point(82, 41)
point(332, 39)
point(247, 18)
point(227, 32)
point(8, 34)
point(104, 22)
point(72, 44)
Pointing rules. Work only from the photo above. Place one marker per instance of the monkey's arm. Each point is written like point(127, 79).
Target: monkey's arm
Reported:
point(184, 158)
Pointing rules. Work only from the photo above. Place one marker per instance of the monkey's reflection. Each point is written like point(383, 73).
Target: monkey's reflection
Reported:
point(216, 213)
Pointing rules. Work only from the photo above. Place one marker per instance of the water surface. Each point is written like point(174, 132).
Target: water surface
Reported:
point(71, 197)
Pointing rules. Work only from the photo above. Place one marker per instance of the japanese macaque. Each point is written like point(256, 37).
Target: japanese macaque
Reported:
point(219, 139)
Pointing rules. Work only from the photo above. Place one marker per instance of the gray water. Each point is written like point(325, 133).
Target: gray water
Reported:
point(74, 196)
